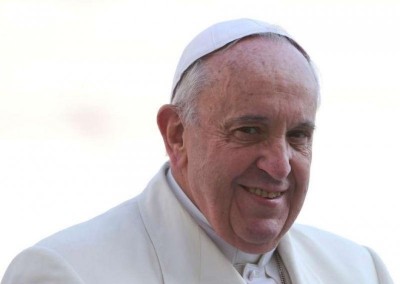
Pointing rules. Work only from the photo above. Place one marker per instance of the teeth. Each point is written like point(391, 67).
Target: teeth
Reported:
point(265, 194)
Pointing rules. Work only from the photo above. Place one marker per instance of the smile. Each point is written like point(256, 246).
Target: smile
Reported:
point(263, 193)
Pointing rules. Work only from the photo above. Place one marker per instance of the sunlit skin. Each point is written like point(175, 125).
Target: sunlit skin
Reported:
point(256, 118)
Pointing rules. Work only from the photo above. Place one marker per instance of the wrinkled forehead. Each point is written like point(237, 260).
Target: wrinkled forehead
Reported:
point(264, 49)
point(267, 57)
point(258, 68)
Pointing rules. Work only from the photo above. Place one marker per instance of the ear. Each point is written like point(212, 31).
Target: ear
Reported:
point(172, 129)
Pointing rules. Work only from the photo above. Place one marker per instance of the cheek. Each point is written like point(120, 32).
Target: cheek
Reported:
point(214, 183)
point(301, 176)
point(214, 167)
point(213, 196)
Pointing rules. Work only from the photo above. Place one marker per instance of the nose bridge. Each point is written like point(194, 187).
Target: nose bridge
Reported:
point(275, 158)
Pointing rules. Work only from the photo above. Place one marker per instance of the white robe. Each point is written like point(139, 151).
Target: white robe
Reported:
point(152, 239)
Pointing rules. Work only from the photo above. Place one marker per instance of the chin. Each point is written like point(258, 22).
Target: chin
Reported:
point(258, 241)
point(256, 248)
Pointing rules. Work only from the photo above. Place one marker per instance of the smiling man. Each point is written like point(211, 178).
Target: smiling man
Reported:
point(244, 158)
point(239, 134)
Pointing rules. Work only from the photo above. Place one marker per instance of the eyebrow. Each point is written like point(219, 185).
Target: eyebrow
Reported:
point(262, 119)
point(307, 124)
point(248, 118)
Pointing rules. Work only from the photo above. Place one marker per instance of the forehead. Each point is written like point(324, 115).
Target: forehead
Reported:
point(255, 72)
point(266, 55)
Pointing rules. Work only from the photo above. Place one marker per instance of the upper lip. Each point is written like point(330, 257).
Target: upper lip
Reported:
point(271, 188)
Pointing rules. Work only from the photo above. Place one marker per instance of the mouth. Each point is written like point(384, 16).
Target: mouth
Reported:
point(263, 193)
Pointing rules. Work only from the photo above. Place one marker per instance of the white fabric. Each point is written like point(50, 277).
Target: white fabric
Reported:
point(152, 239)
point(264, 272)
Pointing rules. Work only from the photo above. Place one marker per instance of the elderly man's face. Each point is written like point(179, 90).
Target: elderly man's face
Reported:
point(247, 161)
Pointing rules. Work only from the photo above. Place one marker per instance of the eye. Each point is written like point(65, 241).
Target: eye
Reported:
point(299, 137)
point(298, 134)
point(247, 134)
point(249, 130)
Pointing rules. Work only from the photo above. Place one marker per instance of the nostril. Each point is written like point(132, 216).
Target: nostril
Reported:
point(276, 166)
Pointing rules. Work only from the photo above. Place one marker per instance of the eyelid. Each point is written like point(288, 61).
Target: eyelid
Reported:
point(256, 128)
point(247, 134)
point(307, 133)
point(300, 136)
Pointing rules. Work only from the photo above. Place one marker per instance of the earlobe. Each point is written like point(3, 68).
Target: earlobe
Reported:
point(171, 128)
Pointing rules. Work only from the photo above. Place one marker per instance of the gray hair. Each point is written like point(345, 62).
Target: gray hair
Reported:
point(187, 92)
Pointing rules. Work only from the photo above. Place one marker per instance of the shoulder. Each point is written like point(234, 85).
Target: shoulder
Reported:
point(121, 226)
point(114, 241)
point(123, 217)
point(39, 265)
point(309, 233)
point(111, 248)
point(325, 242)
point(114, 247)
point(333, 257)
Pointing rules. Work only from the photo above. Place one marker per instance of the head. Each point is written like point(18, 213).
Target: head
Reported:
point(239, 137)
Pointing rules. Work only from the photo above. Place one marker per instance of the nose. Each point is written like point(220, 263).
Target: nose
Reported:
point(275, 159)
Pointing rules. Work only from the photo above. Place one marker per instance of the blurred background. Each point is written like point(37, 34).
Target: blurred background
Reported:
point(81, 82)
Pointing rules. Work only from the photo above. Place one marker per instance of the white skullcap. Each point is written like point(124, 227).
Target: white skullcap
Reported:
point(217, 36)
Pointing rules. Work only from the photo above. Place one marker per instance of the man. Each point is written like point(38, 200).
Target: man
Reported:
point(239, 136)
